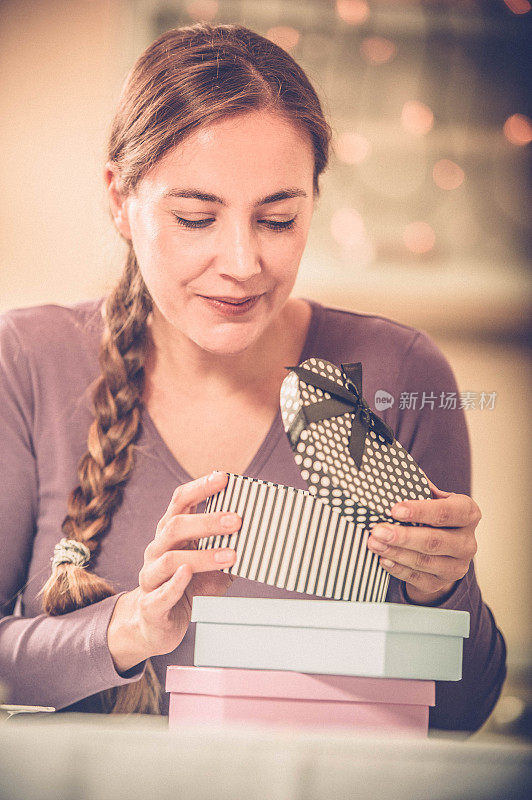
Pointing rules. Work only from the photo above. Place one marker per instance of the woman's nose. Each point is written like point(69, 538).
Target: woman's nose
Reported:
point(239, 253)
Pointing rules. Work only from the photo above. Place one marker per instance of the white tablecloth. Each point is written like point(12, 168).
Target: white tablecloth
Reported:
point(72, 757)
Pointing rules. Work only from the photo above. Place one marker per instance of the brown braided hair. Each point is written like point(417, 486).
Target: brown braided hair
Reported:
point(187, 78)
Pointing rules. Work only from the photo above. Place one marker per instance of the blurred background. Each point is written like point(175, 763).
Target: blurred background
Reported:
point(423, 214)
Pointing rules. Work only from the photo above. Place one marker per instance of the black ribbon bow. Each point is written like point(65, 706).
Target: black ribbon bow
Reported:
point(342, 401)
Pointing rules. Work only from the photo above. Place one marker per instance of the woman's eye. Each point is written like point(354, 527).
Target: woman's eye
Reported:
point(194, 223)
point(275, 225)
point(271, 224)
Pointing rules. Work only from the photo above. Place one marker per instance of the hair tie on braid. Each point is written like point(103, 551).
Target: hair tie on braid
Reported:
point(68, 551)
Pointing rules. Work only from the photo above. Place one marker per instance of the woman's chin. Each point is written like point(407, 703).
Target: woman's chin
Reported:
point(227, 340)
point(230, 346)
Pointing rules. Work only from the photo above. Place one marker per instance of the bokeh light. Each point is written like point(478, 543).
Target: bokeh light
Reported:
point(447, 175)
point(518, 129)
point(518, 6)
point(284, 36)
point(353, 12)
point(417, 118)
point(349, 231)
point(202, 10)
point(378, 50)
point(347, 228)
point(352, 148)
point(419, 237)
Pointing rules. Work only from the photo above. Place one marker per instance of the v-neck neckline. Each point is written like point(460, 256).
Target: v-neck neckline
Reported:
point(272, 436)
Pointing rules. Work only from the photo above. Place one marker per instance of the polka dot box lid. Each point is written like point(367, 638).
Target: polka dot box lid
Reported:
point(315, 541)
point(345, 452)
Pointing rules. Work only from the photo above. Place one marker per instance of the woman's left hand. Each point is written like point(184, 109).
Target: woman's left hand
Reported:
point(429, 559)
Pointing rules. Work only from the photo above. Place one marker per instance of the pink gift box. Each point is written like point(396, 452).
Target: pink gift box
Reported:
point(203, 694)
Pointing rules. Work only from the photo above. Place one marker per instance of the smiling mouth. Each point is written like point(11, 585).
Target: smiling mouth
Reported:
point(232, 306)
point(234, 301)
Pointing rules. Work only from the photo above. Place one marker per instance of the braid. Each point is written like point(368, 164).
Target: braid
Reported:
point(186, 79)
point(106, 466)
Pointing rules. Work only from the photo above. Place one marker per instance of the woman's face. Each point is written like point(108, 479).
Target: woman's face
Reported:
point(219, 226)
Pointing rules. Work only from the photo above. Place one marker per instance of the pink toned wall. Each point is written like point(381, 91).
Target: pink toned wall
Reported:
point(62, 64)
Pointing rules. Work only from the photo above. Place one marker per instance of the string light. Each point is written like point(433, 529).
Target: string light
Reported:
point(419, 237)
point(353, 12)
point(518, 129)
point(202, 10)
point(378, 50)
point(447, 175)
point(417, 118)
point(284, 36)
point(352, 148)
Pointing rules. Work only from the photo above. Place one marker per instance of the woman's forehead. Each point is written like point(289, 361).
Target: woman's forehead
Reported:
point(256, 152)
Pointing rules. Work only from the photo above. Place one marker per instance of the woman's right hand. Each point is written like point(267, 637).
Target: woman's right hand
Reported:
point(153, 618)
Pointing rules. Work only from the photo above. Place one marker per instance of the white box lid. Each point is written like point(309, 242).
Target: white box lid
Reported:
point(335, 614)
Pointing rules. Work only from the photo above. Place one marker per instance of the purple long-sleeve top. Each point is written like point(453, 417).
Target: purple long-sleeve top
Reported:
point(48, 360)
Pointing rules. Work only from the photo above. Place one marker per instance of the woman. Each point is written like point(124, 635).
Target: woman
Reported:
point(213, 166)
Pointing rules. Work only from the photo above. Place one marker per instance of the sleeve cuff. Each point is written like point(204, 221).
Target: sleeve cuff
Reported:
point(99, 652)
point(457, 599)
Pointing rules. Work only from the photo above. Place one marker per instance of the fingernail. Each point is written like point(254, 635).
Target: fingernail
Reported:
point(230, 522)
point(223, 556)
point(386, 563)
point(215, 474)
point(382, 533)
point(183, 571)
point(402, 512)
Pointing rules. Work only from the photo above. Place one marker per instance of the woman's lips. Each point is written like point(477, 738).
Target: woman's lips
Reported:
point(231, 307)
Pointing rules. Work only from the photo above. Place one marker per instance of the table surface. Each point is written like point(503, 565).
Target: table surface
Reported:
point(90, 757)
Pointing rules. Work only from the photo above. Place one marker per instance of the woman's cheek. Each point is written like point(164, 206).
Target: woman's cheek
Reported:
point(293, 257)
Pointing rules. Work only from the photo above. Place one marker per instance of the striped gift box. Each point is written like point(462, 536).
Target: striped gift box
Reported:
point(294, 541)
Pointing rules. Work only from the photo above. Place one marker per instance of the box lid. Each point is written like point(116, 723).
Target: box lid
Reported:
point(337, 614)
point(297, 685)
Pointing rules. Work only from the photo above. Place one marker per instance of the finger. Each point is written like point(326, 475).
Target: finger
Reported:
point(157, 572)
point(431, 541)
point(454, 511)
point(444, 567)
point(165, 597)
point(209, 583)
point(188, 495)
point(437, 492)
point(182, 529)
point(424, 581)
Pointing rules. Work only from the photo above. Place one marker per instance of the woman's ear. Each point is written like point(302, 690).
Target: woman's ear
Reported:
point(117, 200)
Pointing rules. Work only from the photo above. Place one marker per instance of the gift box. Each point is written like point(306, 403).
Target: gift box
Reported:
point(377, 640)
point(290, 698)
point(315, 541)
point(346, 453)
point(297, 542)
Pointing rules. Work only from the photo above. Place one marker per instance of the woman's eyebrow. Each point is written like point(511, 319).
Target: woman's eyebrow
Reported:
point(197, 194)
point(283, 194)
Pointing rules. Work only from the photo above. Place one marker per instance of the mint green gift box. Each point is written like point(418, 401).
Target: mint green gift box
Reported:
point(379, 640)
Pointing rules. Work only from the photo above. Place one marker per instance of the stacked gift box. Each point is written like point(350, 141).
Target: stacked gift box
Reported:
point(350, 660)
point(317, 663)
